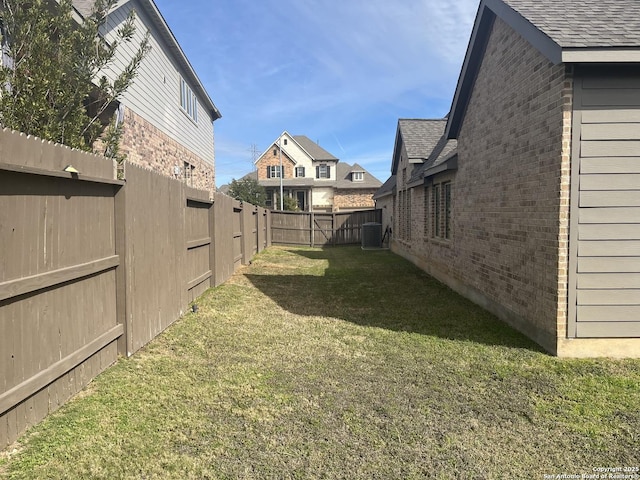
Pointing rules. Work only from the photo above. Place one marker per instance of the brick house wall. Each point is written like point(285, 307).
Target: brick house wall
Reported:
point(434, 255)
point(508, 245)
point(271, 158)
point(347, 198)
point(149, 147)
point(507, 226)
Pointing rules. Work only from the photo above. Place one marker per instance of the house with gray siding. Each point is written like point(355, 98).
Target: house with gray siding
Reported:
point(534, 211)
point(167, 113)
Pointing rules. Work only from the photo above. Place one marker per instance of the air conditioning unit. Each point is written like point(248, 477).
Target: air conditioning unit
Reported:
point(372, 235)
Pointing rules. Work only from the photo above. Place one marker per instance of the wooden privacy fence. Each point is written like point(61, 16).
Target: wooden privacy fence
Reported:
point(92, 268)
point(320, 229)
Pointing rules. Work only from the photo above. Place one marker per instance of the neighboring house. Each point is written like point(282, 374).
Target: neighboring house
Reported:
point(168, 115)
point(313, 176)
point(536, 214)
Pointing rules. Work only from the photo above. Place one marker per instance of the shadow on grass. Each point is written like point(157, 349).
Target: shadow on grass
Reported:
point(380, 289)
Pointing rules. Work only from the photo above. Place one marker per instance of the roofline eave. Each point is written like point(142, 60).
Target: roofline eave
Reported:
point(483, 25)
point(183, 61)
point(601, 55)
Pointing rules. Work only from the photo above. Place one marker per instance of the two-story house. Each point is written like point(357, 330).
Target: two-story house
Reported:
point(314, 177)
point(167, 113)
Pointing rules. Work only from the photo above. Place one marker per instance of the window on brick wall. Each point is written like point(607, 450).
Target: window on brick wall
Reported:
point(447, 209)
point(436, 228)
point(426, 211)
point(441, 210)
point(273, 171)
point(188, 100)
point(401, 213)
point(188, 173)
point(408, 193)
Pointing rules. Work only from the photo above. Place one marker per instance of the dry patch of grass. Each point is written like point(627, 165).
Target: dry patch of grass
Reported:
point(340, 363)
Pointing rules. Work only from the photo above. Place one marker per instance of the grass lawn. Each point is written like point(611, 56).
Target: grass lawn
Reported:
point(339, 363)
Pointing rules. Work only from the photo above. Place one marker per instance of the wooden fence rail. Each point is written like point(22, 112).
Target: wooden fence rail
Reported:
point(92, 267)
point(321, 229)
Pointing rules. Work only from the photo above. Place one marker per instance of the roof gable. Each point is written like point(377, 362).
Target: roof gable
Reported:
point(344, 180)
point(416, 137)
point(568, 31)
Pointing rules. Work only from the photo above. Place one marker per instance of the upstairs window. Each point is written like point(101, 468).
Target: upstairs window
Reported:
point(188, 101)
point(357, 176)
point(299, 172)
point(274, 171)
point(323, 171)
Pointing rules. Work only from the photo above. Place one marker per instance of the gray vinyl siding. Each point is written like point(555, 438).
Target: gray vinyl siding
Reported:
point(155, 94)
point(605, 230)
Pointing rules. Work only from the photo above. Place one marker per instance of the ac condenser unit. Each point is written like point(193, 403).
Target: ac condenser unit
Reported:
point(372, 235)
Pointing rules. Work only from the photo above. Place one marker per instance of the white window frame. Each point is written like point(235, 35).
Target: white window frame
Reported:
point(274, 171)
point(357, 176)
point(188, 101)
point(299, 172)
point(323, 171)
point(188, 173)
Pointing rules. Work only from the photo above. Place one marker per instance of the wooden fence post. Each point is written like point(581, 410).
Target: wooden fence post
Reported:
point(122, 297)
point(312, 229)
point(333, 228)
point(215, 240)
point(268, 226)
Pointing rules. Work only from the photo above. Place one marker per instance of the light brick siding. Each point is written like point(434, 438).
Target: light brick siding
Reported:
point(435, 255)
point(565, 194)
point(349, 199)
point(508, 249)
point(147, 146)
point(271, 159)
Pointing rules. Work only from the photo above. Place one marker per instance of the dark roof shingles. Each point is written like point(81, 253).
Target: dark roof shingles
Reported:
point(420, 135)
point(343, 177)
point(316, 151)
point(584, 23)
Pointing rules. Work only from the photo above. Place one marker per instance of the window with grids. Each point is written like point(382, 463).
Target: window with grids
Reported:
point(441, 210)
point(426, 213)
point(188, 173)
point(299, 172)
point(188, 101)
point(274, 171)
point(323, 171)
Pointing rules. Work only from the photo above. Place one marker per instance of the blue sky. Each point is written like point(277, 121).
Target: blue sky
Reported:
point(341, 72)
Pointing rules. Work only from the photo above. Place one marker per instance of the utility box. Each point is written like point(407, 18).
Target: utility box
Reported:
point(372, 235)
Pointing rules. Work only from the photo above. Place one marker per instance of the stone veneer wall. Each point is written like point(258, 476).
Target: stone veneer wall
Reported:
point(149, 147)
point(352, 198)
point(510, 193)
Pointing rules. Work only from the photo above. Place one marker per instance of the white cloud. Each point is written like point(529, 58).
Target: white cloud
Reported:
point(323, 68)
